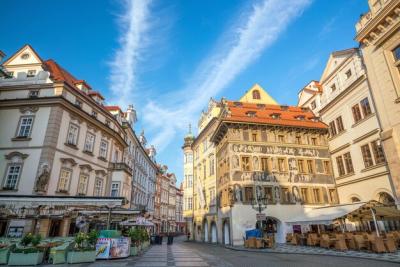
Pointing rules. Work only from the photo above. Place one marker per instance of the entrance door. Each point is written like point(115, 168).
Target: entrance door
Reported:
point(226, 234)
point(213, 233)
point(205, 232)
point(55, 228)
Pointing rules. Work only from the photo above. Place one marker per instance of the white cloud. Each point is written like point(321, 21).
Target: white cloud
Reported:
point(256, 31)
point(134, 26)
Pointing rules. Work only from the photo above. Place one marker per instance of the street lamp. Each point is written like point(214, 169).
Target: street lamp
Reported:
point(259, 204)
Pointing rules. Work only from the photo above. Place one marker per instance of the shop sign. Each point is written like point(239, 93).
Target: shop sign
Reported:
point(112, 248)
point(103, 248)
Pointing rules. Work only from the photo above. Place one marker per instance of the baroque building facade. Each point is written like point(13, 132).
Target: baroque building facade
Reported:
point(342, 98)
point(62, 147)
point(378, 32)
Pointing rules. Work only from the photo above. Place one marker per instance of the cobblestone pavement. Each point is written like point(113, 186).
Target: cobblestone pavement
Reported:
point(284, 248)
point(192, 254)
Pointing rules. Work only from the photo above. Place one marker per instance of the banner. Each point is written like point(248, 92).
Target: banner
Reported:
point(120, 247)
point(103, 248)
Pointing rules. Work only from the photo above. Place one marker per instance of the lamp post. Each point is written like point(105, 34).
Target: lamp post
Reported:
point(259, 204)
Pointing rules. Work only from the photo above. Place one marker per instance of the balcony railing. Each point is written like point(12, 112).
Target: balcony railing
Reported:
point(120, 166)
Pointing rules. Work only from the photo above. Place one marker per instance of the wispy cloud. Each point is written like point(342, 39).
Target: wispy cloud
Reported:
point(256, 30)
point(134, 26)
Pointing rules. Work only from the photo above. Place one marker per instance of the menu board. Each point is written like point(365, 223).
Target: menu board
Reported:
point(112, 248)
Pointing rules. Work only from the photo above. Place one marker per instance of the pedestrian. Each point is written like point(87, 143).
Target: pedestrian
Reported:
point(188, 235)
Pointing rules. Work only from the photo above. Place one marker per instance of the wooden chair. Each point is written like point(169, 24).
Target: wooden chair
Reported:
point(390, 244)
point(289, 237)
point(377, 244)
point(313, 240)
point(326, 241)
point(360, 242)
point(295, 240)
point(340, 243)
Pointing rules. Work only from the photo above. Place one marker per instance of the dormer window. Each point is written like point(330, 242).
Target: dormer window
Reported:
point(313, 105)
point(276, 116)
point(33, 93)
point(237, 104)
point(31, 73)
point(251, 114)
point(300, 117)
point(256, 94)
point(305, 109)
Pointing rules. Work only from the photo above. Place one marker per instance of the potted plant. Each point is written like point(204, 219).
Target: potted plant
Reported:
point(134, 235)
point(144, 237)
point(27, 251)
point(84, 249)
point(5, 249)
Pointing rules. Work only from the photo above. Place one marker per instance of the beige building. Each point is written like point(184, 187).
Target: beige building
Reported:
point(63, 150)
point(188, 181)
point(343, 101)
point(378, 32)
point(270, 153)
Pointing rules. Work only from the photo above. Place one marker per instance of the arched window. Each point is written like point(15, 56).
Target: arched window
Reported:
point(256, 94)
point(385, 198)
point(355, 199)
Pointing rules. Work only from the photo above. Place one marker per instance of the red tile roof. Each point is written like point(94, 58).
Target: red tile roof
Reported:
point(91, 92)
point(113, 108)
point(259, 113)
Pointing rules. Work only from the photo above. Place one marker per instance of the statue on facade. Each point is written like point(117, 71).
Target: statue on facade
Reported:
point(255, 163)
point(238, 193)
point(277, 193)
point(43, 177)
point(296, 194)
point(235, 162)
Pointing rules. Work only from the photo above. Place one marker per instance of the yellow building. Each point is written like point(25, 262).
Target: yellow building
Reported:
point(378, 32)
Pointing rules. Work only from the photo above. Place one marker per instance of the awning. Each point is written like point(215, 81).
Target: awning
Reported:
point(381, 211)
point(325, 215)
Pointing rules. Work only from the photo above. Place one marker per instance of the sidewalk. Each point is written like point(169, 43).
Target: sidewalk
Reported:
point(305, 250)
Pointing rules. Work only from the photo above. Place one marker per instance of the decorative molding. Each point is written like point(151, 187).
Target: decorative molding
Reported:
point(86, 166)
point(101, 172)
point(10, 155)
point(31, 109)
point(339, 148)
point(365, 136)
point(68, 160)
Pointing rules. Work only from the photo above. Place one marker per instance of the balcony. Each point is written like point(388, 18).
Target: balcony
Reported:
point(120, 166)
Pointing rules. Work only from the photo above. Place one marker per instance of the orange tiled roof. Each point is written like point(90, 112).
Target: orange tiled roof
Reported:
point(259, 113)
point(113, 108)
point(91, 92)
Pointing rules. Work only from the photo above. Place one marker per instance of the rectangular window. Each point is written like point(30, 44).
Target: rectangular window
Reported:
point(348, 162)
point(246, 164)
point(304, 195)
point(332, 128)
point(264, 165)
point(33, 94)
point(65, 178)
point(248, 194)
point(314, 141)
point(12, 176)
point(103, 149)
point(89, 142)
point(377, 150)
point(98, 187)
point(367, 157)
point(298, 140)
point(340, 166)
point(31, 73)
point(332, 195)
point(317, 196)
point(281, 165)
point(281, 138)
point(212, 166)
point(300, 166)
point(254, 137)
point(327, 167)
point(190, 203)
point(339, 123)
point(366, 108)
point(25, 126)
point(115, 189)
point(82, 184)
point(356, 113)
point(310, 166)
point(348, 74)
point(72, 136)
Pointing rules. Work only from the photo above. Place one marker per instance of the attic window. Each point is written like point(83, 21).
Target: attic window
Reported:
point(284, 107)
point(237, 104)
point(31, 73)
point(94, 114)
point(315, 119)
point(251, 114)
point(78, 103)
point(25, 56)
point(348, 74)
point(333, 87)
point(313, 105)
point(260, 106)
point(300, 117)
point(305, 109)
point(256, 94)
point(276, 115)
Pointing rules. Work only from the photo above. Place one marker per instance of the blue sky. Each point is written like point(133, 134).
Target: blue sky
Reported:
point(169, 57)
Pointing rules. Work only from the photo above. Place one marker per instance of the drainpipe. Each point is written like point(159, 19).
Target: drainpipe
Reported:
point(396, 199)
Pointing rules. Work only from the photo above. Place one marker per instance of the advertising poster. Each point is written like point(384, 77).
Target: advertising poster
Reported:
point(103, 248)
point(120, 247)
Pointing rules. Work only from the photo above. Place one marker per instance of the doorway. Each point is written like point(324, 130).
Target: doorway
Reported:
point(213, 233)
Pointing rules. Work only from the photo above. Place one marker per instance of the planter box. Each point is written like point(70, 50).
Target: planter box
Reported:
point(81, 256)
point(4, 254)
point(25, 259)
point(134, 251)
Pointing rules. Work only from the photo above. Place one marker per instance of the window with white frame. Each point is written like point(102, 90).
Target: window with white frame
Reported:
point(64, 180)
point(25, 126)
point(31, 73)
point(115, 189)
point(98, 186)
point(82, 184)
point(12, 176)
point(72, 136)
point(103, 148)
point(89, 142)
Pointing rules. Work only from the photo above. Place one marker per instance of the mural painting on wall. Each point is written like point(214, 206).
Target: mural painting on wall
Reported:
point(280, 150)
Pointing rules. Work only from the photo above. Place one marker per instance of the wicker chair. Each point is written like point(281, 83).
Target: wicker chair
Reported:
point(313, 240)
point(340, 243)
point(377, 244)
point(390, 244)
point(360, 242)
point(325, 241)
